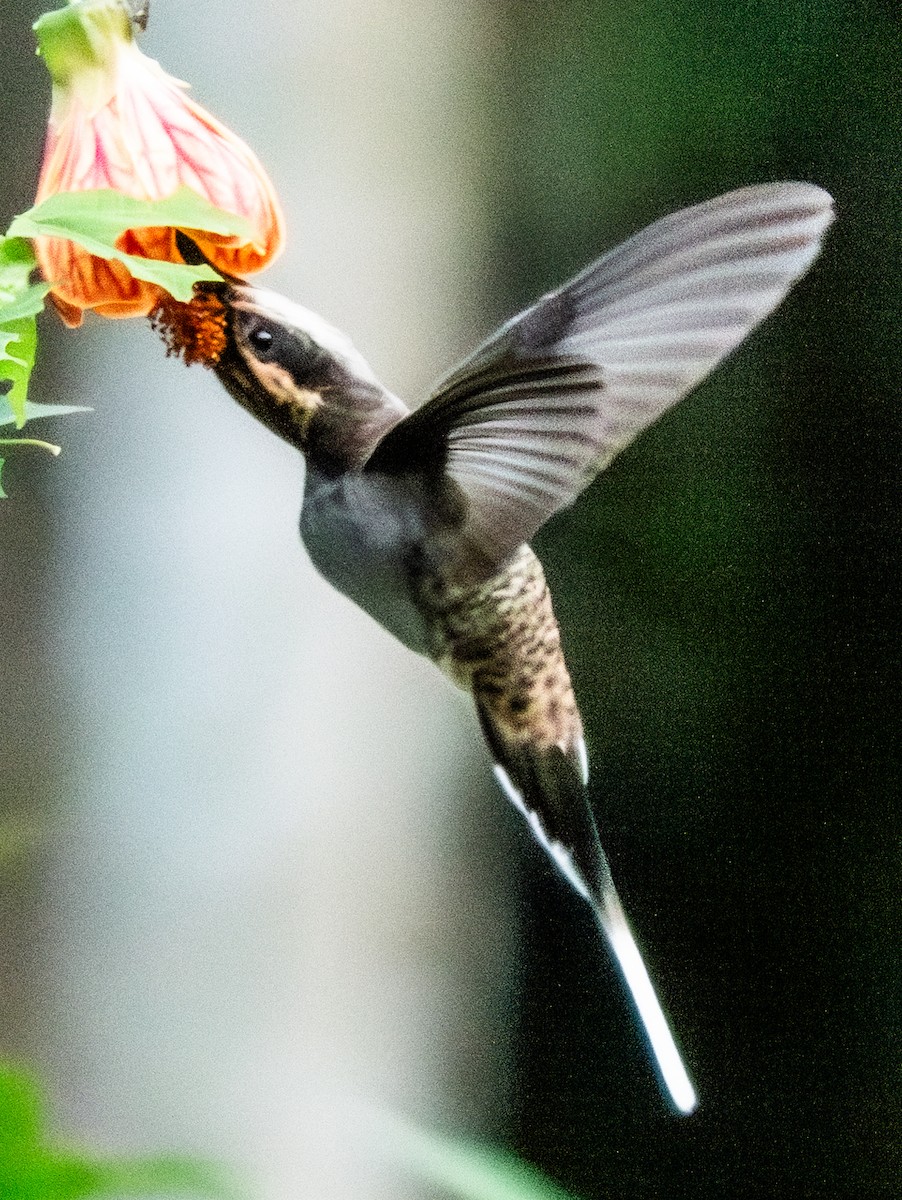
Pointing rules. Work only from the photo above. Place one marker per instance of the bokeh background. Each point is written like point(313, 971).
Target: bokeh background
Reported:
point(251, 868)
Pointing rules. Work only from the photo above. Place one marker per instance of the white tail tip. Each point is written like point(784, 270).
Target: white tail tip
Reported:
point(664, 1049)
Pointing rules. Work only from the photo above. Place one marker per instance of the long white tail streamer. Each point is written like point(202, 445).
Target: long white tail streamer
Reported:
point(668, 1059)
point(617, 933)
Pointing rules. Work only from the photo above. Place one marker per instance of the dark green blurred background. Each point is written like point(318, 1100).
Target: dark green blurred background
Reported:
point(729, 594)
point(729, 599)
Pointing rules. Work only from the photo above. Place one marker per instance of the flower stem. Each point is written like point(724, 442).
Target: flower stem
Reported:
point(34, 442)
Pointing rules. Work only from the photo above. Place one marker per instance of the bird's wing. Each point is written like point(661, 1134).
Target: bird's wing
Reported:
point(525, 423)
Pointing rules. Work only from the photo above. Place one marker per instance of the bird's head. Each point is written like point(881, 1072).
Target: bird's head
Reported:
point(296, 373)
point(302, 377)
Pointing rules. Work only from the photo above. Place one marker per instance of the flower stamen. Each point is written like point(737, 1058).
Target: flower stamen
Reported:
point(194, 332)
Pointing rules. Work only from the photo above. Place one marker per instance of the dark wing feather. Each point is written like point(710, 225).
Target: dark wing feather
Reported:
point(525, 423)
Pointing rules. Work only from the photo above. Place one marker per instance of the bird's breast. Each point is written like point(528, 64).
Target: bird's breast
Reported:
point(361, 533)
point(372, 538)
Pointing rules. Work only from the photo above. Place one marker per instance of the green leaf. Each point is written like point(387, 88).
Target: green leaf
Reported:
point(466, 1170)
point(20, 1114)
point(105, 215)
point(95, 220)
point(75, 1177)
point(18, 344)
point(20, 300)
point(27, 303)
point(17, 261)
point(8, 337)
point(30, 1169)
point(34, 412)
point(176, 278)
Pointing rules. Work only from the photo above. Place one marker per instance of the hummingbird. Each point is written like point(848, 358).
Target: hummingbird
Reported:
point(424, 518)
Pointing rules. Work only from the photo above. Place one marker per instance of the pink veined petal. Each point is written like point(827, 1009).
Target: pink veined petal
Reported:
point(146, 138)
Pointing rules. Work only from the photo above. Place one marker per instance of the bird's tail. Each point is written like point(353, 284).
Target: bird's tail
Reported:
point(665, 1052)
point(548, 786)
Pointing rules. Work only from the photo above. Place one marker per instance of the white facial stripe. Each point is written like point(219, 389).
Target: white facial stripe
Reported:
point(286, 311)
point(280, 384)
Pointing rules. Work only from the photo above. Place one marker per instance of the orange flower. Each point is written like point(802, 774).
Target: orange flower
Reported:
point(119, 121)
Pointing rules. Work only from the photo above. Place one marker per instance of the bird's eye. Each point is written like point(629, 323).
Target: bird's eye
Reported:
point(262, 341)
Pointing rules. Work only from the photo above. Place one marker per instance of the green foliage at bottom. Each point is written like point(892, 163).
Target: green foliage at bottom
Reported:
point(32, 1168)
point(464, 1169)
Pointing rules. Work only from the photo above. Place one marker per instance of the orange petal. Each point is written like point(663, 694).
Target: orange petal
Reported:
point(138, 132)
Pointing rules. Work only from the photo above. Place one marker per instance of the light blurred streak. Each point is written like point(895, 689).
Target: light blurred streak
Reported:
point(263, 886)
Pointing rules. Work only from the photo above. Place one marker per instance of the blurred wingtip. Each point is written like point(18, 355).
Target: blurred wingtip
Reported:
point(794, 201)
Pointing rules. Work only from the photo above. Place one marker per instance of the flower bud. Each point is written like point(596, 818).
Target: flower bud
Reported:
point(119, 121)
